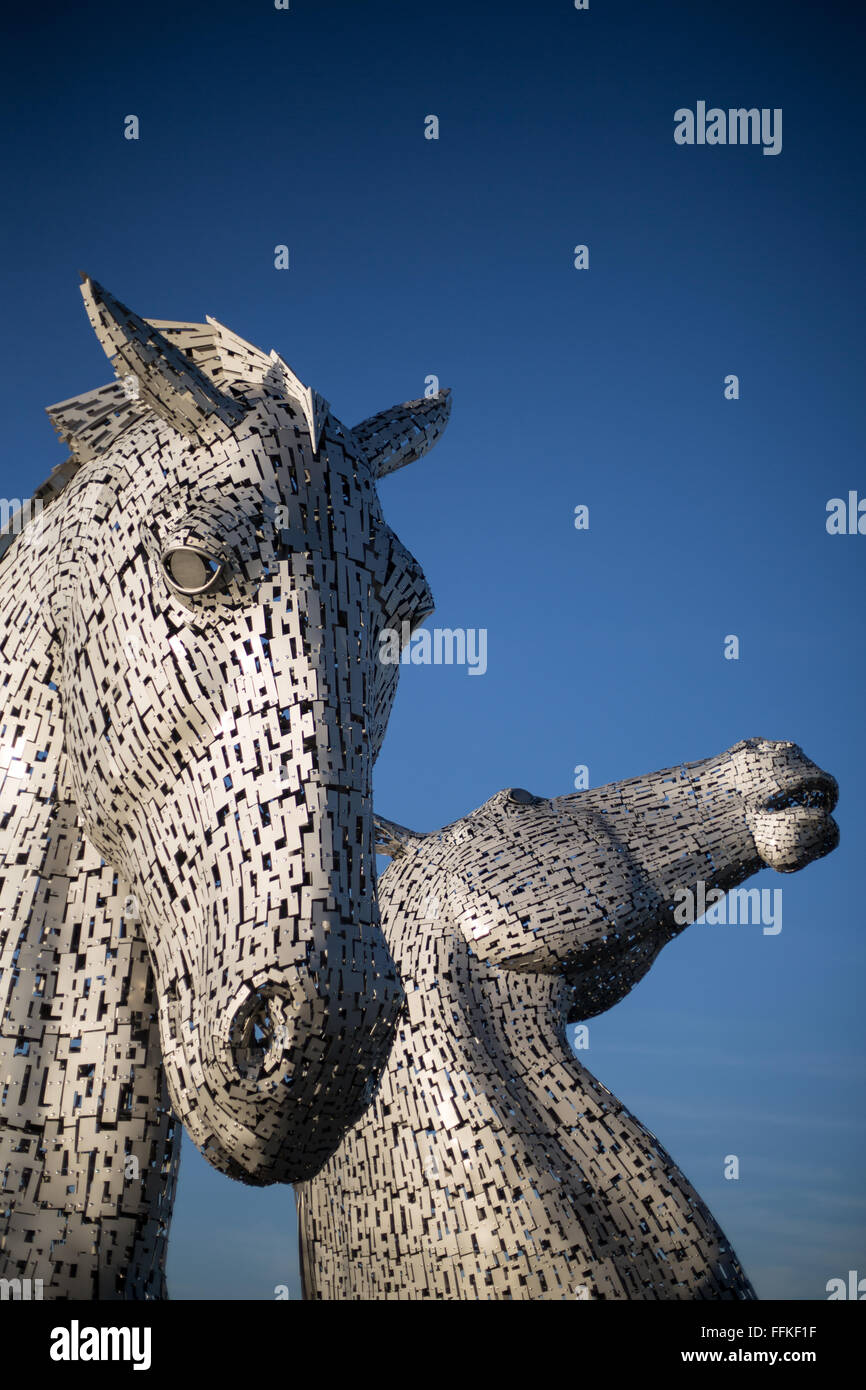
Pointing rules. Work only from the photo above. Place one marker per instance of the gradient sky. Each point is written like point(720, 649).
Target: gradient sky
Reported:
point(605, 387)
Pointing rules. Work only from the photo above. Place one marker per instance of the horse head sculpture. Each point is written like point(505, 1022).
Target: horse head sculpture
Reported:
point(515, 1173)
point(590, 886)
point(191, 633)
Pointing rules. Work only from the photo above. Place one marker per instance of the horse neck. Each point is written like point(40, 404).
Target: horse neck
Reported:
point(31, 740)
point(88, 1149)
point(461, 1014)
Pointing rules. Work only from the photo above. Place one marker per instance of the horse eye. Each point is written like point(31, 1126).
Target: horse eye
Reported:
point(193, 571)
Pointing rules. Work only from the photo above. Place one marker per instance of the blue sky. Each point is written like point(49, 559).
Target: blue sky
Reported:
point(605, 387)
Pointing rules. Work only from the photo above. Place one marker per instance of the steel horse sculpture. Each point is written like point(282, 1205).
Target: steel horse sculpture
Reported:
point(190, 926)
point(191, 705)
point(492, 1164)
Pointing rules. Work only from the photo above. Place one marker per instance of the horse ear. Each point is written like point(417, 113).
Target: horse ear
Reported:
point(314, 407)
point(402, 434)
point(166, 379)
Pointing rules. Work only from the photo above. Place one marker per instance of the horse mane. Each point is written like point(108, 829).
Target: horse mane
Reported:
point(92, 423)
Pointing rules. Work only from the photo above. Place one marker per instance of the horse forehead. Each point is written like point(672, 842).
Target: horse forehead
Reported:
point(250, 468)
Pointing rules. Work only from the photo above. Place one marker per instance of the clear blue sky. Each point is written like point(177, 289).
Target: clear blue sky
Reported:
point(604, 387)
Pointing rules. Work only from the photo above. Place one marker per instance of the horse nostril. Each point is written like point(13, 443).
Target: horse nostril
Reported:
point(259, 1034)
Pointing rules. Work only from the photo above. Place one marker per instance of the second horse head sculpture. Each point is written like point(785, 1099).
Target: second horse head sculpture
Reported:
point(492, 1164)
